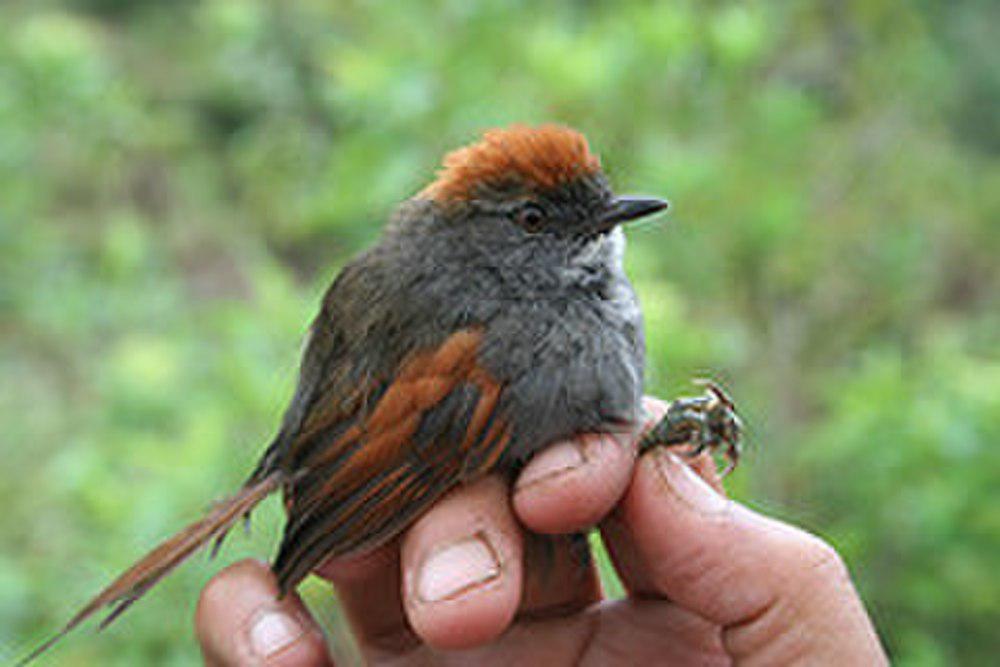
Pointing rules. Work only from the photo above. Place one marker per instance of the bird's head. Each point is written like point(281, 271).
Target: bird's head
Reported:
point(543, 180)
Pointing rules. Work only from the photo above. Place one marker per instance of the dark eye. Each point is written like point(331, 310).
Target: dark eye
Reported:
point(530, 217)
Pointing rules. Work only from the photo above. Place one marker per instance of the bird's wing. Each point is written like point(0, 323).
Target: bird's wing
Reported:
point(340, 356)
point(366, 462)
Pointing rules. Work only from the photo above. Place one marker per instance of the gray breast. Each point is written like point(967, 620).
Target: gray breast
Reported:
point(571, 356)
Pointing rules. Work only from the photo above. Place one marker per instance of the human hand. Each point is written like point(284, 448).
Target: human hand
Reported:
point(708, 580)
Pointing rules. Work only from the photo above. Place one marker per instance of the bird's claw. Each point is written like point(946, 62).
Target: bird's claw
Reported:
point(706, 422)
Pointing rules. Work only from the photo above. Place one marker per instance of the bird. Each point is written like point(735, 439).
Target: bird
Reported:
point(491, 318)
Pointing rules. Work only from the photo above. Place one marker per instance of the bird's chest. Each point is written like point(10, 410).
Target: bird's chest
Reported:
point(570, 361)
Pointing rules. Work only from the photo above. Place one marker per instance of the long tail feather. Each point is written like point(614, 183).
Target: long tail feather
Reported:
point(134, 582)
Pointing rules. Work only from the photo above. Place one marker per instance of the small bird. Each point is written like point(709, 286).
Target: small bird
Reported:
point(491, 319)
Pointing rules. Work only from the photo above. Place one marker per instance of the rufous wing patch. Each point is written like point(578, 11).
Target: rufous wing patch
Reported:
point(539, 158)
point(364, 483)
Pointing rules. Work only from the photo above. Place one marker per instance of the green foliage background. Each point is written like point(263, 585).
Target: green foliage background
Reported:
point(179, 181)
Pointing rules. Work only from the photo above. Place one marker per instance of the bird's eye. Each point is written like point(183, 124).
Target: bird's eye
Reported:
point(530, 217)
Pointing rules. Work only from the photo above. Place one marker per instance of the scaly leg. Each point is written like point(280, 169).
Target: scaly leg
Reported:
point(706, 422)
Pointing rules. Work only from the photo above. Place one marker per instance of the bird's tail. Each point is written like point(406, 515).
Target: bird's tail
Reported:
point(134, 582)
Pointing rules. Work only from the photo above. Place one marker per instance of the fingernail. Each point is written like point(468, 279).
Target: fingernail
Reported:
point(552, 462)
point(456, 569)
point(272, 631)
point(686, 485)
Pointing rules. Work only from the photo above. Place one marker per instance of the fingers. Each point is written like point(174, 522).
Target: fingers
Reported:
point(778, 592)
point(240, 621)
point(466, 570)
point(452, 581)
point(459, 576)
point(559, 576)
point(368, 587)
point(462, 567)
point(463, 571)
point(571, 485)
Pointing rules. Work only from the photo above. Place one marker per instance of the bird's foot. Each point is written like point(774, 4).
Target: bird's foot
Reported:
point(706, 422)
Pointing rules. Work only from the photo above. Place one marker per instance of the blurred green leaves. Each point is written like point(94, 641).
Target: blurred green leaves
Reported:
point(179, 181)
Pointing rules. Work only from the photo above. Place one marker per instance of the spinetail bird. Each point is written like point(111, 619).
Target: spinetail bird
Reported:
point(492, 318)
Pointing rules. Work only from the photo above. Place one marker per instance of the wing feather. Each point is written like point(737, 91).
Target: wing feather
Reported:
point(364, 483)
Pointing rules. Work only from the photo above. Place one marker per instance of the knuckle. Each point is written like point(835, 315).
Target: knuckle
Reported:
point(818, 563)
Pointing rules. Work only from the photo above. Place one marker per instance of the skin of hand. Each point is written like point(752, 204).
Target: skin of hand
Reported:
point(708, 580)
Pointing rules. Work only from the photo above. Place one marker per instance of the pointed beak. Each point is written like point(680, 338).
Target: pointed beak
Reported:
point(626, 209)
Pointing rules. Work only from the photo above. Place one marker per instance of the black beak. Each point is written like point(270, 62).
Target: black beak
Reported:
point(626, 209)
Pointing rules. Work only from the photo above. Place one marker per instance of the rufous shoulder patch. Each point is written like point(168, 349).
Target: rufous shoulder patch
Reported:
point(540, 157)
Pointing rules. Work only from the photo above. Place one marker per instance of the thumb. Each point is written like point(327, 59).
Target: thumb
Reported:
point(779, 594)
